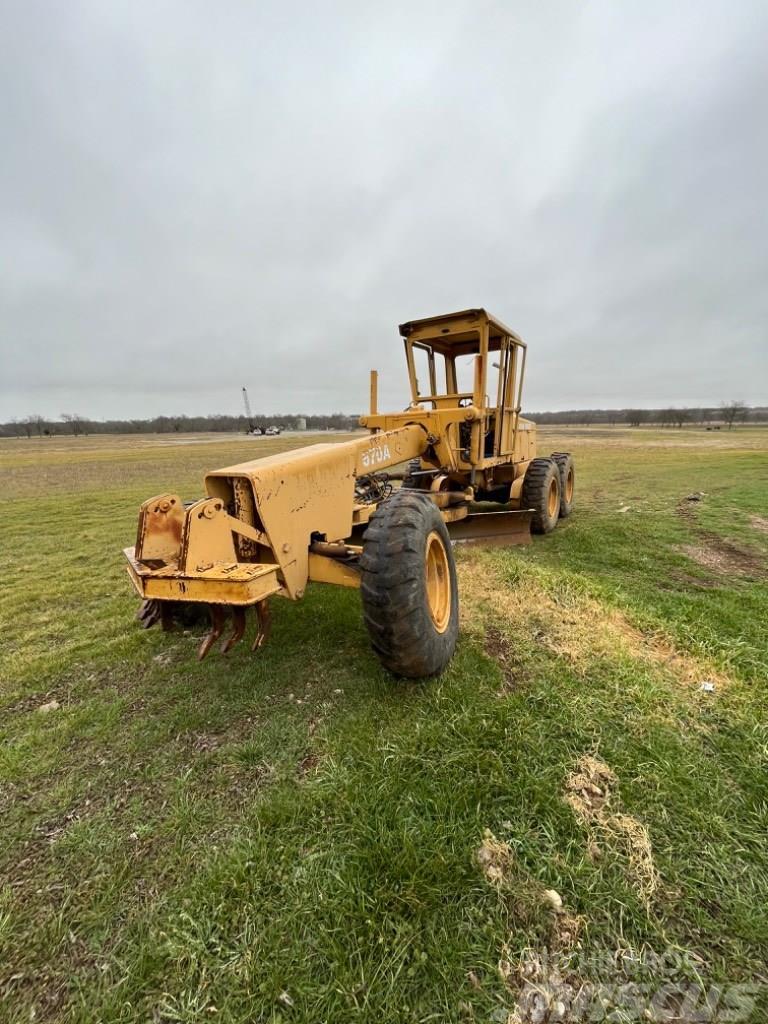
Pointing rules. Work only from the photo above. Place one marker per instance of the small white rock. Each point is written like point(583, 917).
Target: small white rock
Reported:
point(554, 899)
point(707, 686)
point(52, 705)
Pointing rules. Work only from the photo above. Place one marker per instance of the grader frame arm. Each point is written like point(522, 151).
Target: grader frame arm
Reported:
point(266, 527)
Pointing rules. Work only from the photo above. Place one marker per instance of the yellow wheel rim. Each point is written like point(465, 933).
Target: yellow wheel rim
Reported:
point(438, 579)
point(569, 486)
point(553, 498)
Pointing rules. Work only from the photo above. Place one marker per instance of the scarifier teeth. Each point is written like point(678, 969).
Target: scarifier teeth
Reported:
point(149, 613)
point(218, 615)
point(217, 628)
point(238, 628)
point(263, 625)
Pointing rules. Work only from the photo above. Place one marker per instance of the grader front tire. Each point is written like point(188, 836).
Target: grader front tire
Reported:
point(541, 492)
point(409, 587)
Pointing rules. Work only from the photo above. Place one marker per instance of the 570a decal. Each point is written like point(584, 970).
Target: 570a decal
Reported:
point(376, 455)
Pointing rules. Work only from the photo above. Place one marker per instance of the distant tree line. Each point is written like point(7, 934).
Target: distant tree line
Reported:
point(725, 415)
point(74, 424)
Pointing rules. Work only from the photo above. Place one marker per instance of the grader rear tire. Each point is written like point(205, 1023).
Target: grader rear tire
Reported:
point(567, 481)
point(541, 492)
point(409, 588)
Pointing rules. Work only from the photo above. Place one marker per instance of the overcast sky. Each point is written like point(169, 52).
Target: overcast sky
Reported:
point(196, 196)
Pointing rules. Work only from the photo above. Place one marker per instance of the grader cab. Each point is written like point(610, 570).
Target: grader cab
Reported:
point(380, 512)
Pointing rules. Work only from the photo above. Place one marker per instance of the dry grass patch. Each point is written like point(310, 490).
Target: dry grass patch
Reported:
point(570, 624)
point(534, 979)
point(759, 523)
point(495, 859)
point(565, 928)
point(590, 792)
point(588, 789)
point(497, 863)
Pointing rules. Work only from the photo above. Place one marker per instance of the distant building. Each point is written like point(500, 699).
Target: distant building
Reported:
point(301, 423)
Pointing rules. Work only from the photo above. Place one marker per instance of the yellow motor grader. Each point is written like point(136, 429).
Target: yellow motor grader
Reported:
point(342, 512)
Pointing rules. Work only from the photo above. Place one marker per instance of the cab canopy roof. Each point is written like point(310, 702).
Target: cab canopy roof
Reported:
point(458, 334)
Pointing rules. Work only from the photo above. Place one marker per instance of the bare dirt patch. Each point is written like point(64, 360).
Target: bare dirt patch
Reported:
point(308, 765)
point(590, 792)
point(499, 647)
point(690, 582)
point(723, 556)
point(716, 553)
point(686, 507)
point(35, 702)
point(210, 741)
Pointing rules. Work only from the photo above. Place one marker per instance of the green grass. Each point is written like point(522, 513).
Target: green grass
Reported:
point(292, 835)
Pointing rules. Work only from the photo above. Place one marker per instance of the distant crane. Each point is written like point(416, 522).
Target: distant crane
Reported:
point(252, 428)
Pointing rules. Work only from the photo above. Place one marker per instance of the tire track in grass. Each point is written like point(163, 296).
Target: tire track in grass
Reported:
point(538, 605)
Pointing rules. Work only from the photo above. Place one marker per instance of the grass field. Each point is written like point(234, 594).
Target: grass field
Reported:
point(296, 836)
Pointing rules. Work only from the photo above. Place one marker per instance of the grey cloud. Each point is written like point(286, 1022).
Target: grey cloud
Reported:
point(197, 197)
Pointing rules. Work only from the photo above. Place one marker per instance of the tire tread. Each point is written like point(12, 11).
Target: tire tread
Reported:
point(392, 586)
